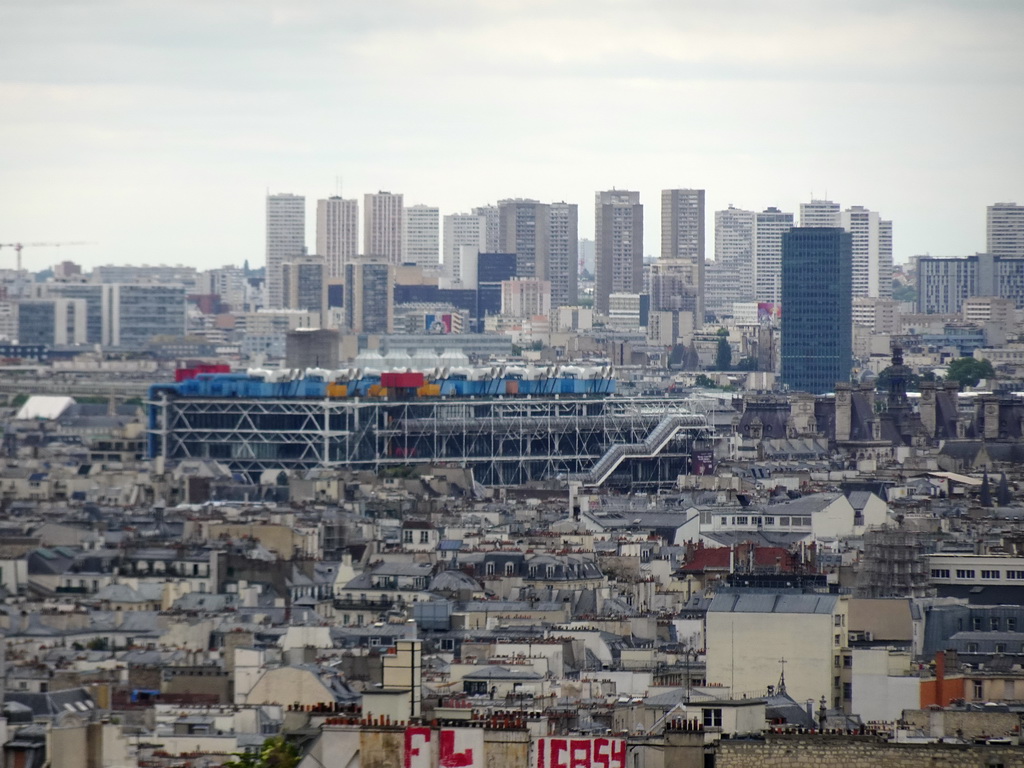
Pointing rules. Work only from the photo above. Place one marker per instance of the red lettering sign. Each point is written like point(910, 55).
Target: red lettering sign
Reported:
point(581, 752)
point(461, 748)
point(417, 748)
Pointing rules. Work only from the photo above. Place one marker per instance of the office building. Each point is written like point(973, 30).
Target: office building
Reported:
point(337, 232)
point(944, 283)
point(817, 308)
point(563, 253)
point(872, 252)
point(722, 287)
point(523, 229)
point(230, 284)
point(124, 316)
point(421, 236)
point(369, 295)
point(492, 270)
point(1005, 230)
point(91, 294)
point(733, 270)
point(820, 213)
point(161, 274)
point(304, 284)
point(619, 246)
point(674, 286)
point(682, 238)
point(462, 231)
point(628, 311)
point(492, 227)
point(286, 239)
point(382, 226)
point(525, 297)
point(51, 322)
point(770, 225)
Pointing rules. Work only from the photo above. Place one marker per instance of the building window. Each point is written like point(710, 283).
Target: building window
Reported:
point(510, 569)
point(838, 640)
point(976, 623)
point(712, 717)
point(1011, 624)
point(407, 537)
point(838, 620)
point(835, 662)
point(489, 568)
point(769, 521)
point(978, 693)
point(972, 647)
point(993, 624)
point(990, 574)
point(965, 573)
point(940, 573)
point(848, 691)
point(848, 661)
point(424, 537)
point(1000, 647)
point(1015, 575)
point(740, 520)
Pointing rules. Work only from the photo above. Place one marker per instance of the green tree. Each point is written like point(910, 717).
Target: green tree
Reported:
point(723, 355)
point(968, 371)
point(704, 381)
point(746, 364)
point(275, 753)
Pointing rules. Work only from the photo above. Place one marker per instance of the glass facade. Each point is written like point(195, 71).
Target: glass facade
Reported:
point(817, 308)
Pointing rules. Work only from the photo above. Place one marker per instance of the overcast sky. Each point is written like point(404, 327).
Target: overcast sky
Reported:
point(155, 127)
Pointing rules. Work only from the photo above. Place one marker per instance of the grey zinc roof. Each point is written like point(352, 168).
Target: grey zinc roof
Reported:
point(740, 602)
point(495, 672)
point(805, 505)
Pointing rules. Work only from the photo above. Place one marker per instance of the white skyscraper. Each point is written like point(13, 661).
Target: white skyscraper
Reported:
point(1005, 230)
point(492, 228)
point(820, 213)
point(770, 225)
point(421, 236)
point(462, 230)
point(563, 253)
point(872, 252)
point(682, 239)
point(619, 245)
point(337, 232)
point(734, 252)
point(286, 240)
point(382, 226)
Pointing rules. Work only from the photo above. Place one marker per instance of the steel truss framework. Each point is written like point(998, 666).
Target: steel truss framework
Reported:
point(506, 441)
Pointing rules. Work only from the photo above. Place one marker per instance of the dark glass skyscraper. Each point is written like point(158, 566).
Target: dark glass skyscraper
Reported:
point(817, 307)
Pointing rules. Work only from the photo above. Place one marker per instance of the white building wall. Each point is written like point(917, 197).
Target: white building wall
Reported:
point(337, 232)
point(882, 689)
point(462, 230)
point(286, 239)
point(420, 236)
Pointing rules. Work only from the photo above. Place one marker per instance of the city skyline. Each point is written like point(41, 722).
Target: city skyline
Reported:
point(155, 132)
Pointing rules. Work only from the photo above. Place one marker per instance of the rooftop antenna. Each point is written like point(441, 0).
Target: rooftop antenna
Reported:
point(782, 677)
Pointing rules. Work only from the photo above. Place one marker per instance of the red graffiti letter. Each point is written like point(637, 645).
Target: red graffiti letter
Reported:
point(559, 748)
point(415, 740)
point(449, 757)
point(579, 753)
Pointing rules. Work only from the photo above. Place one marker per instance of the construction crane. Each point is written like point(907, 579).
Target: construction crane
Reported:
point(18, 246)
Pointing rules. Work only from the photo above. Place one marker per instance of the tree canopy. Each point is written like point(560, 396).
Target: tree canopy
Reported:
point(968, 371)
point(723, 355)
point(275, 753)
